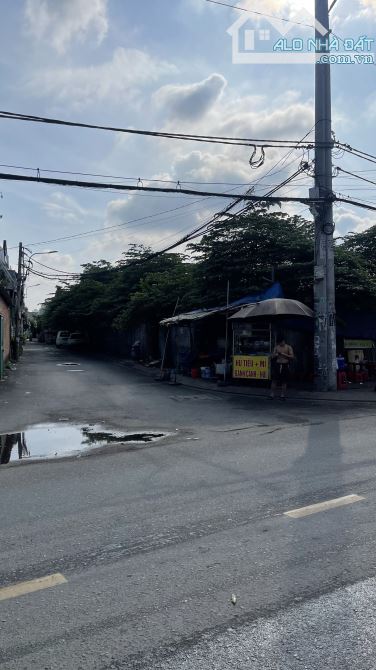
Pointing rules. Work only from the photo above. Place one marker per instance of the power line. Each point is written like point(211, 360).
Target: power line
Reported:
point(187, 238)
point(253, 11)
point(127, 223)
point(176, 182)
point(191, 235)
point(153, 189)
point(357, 152)
point(93, 231)
point(52, 277)
point(109, 176)
point(356, 203)
point(333, 5)
point(197, 232)
point(89, 232)
point(48, 267)
point(211, 139)
point(369, 181)
point(116, 226)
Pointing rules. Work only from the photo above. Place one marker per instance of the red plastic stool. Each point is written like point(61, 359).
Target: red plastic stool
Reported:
point(342, 381)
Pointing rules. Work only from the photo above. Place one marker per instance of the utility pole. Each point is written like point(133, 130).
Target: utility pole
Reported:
point(324, 276)
point(19, 301)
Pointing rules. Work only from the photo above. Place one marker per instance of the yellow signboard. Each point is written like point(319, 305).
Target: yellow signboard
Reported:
point(359, 344)
point(251, 367)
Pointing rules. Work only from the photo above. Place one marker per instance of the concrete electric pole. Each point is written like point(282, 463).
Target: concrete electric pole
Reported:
point(324, 277)
point(19, 301)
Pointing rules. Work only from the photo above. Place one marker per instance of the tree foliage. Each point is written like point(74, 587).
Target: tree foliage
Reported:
point(248, 251)
point(138, 288)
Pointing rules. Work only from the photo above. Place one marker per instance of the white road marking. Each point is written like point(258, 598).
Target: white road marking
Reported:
point(22, 588)
point(324, 506)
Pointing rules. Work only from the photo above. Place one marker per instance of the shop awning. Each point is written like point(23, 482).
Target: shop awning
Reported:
point(197, 315)
point(274, 307)
point(274, 291)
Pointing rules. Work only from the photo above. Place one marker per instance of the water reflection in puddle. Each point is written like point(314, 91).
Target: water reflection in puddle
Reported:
point(56, 440)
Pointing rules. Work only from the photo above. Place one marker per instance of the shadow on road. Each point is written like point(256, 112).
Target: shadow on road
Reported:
point(319, 561)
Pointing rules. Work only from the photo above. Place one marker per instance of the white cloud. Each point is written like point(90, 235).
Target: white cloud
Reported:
point(347, 220)
point(227, 113)
point(35, 295)
point(295, 9)
point(150, 212)
point(156, 231)
point(115, 80)
point(113, 244)
point(59, 22)
point(351, 17)
point(247, 117)
point(369, 5)
point(370, 111)
point(64, 207)
point(202, 166)
point(191, 101)
point(291, 121)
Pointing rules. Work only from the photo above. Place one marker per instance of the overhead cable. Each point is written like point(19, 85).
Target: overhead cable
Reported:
point(215, 139)
point(253, 11)
point(153, 189)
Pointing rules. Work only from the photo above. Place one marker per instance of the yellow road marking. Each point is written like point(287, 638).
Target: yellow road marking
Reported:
point(39, 584)
point(322, 507)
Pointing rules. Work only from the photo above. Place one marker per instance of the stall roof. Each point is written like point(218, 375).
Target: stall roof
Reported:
point(197, 315)
point(274, 307)
point(244, 313)
point(274, 291)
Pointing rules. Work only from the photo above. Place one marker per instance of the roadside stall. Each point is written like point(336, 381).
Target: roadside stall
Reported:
point(360, 359)
point(194, 342)
point(198, 343)
point(255, 330)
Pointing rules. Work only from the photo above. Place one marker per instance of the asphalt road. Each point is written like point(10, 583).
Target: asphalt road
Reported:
point(154, 542)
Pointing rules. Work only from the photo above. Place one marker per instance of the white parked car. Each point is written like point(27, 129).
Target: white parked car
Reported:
point(62, 338)
point(76, 340)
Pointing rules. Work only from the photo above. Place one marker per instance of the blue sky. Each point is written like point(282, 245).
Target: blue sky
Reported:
point(159, 64)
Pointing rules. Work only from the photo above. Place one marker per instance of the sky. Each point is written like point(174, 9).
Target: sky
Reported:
point(159, 65)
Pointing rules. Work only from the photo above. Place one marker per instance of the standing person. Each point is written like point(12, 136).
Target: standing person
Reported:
point(282, 355)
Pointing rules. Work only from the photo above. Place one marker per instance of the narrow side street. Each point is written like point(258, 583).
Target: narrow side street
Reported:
point(152, 542)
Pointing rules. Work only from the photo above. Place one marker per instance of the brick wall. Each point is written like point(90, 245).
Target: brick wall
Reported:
point(5, 313)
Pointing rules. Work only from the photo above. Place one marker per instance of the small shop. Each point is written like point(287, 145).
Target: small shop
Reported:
point(359, 360)
point(199, 343)
point(195, 342)
point(255, 329)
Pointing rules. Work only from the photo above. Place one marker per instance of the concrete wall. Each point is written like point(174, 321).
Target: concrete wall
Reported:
point(5, 313)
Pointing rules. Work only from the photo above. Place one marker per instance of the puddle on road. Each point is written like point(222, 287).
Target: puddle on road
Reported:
point(56, 440)
point(62, 365)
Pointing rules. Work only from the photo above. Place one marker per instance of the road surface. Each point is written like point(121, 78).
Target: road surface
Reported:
point(179, 554)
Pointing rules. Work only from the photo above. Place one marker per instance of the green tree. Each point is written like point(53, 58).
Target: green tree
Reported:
point(355, 281)
point(245, 249)
point(142, 287)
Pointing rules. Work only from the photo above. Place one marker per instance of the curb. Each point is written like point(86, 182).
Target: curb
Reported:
point(183, 381)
